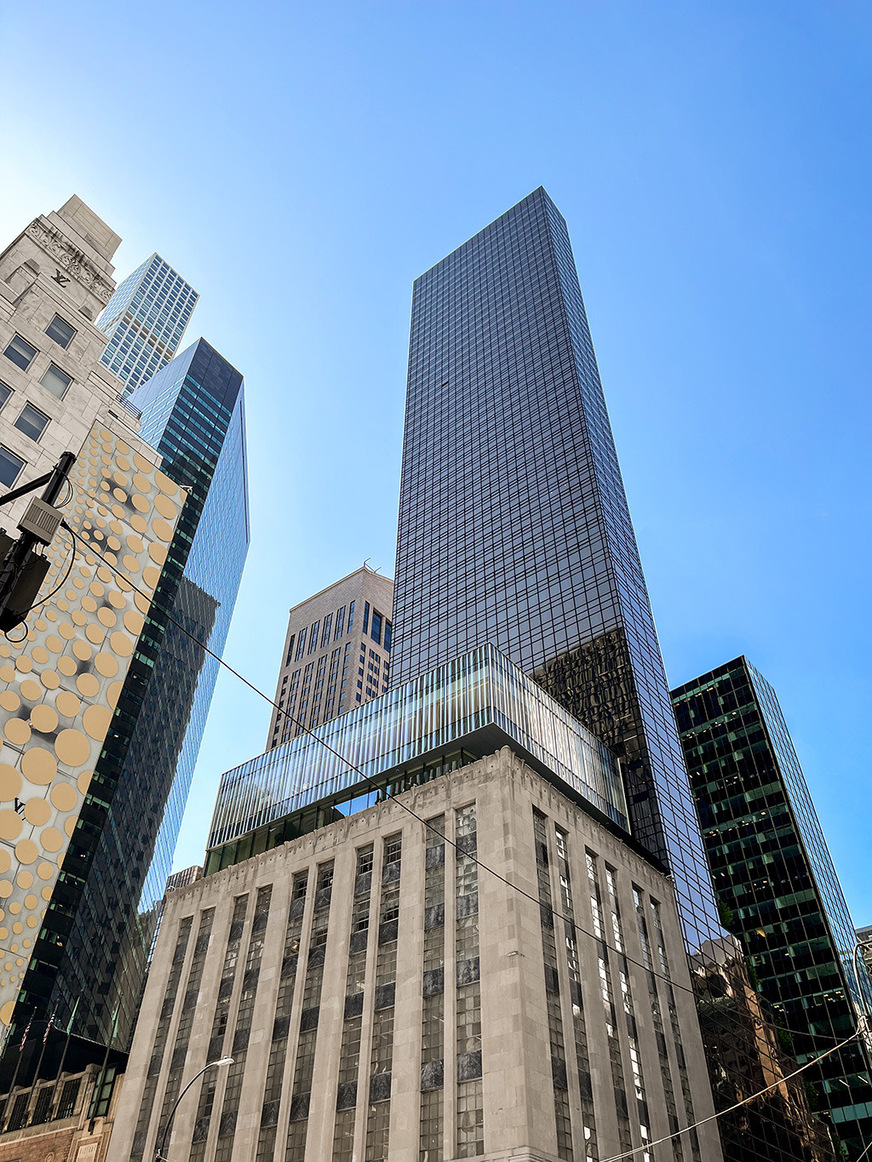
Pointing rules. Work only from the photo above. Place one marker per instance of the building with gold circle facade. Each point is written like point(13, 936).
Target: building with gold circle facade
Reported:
point(62, 672)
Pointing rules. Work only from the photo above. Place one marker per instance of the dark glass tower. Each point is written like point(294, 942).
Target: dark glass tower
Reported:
point(513, 524)
point(92, 952)
point(773, 873)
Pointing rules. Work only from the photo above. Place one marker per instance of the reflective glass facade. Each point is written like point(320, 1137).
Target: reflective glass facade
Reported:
point(775, 878)
point(145, 320)
point(513, 524)
point(480, 701)
point(95, 948)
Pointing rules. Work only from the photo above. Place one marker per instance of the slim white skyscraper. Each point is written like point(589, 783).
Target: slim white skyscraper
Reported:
point(145, 320)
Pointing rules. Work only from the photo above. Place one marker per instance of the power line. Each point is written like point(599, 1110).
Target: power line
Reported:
point(374, 786)
point(729, 1109)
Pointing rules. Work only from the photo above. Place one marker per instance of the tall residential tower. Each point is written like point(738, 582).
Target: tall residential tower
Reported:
point(145, 320)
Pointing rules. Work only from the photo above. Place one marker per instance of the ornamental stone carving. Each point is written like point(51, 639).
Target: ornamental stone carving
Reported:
point(73, 261)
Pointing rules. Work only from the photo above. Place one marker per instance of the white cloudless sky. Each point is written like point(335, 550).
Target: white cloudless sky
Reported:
point(302, 164)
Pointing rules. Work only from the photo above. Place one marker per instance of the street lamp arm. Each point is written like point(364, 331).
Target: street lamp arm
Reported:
point(159, 1149)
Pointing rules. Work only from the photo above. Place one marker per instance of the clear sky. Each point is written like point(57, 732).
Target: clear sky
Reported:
point(302, 164)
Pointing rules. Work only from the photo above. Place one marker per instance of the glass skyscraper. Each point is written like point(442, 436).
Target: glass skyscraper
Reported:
point(94, 945)
point(513, 523)
point(775, 879)
point(145, 320)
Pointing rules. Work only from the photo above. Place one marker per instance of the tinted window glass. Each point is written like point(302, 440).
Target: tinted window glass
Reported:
point(61, 331)
point(31, 421)
point(20, 352)
point(56, 381)
point(10, 466)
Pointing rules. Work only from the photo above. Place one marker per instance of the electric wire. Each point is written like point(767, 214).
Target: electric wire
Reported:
point(374, 786)
point(484, 867)
point(752, 1097)
point(367, 778)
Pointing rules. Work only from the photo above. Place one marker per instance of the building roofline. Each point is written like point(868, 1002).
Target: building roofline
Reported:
point(539, 192)
point(712, 675)
point(364, 568)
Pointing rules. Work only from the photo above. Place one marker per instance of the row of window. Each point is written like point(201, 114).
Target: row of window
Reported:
point(375, 675)
point(338, 632)
point(380, 631)
point(22, 354)
point(32, 422)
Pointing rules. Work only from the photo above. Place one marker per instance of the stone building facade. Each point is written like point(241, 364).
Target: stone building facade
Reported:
point(67, 1119)
point(475, 968)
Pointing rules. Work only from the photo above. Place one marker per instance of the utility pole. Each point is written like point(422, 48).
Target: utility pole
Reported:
point(23, 571)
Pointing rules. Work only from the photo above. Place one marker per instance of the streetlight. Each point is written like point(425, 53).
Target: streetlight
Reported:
point(159, 1149)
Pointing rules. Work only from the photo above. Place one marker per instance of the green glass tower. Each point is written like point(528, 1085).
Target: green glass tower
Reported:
point(775, 880)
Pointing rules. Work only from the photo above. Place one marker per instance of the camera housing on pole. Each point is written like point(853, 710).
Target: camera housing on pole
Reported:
point(23, 570)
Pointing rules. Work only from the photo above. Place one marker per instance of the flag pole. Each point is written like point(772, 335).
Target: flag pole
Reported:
point(66, 1047)
point(17, 1067)
point(48, 1029)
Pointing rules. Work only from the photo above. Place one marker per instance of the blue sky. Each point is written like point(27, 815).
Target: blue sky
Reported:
point(301, 165)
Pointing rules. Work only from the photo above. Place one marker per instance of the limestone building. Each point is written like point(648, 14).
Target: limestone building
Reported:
point(479, 967)
point(337, 653)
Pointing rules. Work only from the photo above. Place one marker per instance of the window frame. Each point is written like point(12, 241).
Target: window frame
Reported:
point(73, 332)
point(14, 456)
point(41, 414)
point(60, 371)
point(27, 343)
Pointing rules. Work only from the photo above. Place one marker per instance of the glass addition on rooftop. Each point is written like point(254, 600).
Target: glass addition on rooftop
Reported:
point(469, 707)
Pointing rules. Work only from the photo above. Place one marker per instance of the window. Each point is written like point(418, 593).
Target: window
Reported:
point(61, 331)
point(290, 654)
point(387, 636)
point(340, 619)
point(376, 626)
point(69, 1094)
point(20, 352)
point(365, 616)
point(5, 393)
point(102, 1094)
point(351, 617)
point(10, 466)
point(56, 381)
point(31, 421)
point(313, 637)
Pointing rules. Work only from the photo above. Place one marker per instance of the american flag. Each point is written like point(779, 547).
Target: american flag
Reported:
point(49, 1026)
point(26, 1031)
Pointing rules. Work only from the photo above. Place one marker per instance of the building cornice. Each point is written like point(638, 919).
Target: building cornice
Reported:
point(74, 263)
